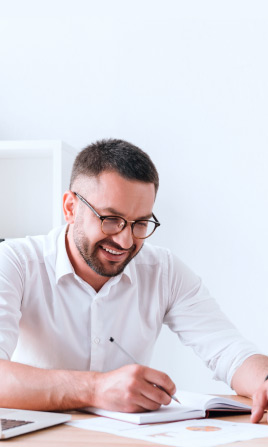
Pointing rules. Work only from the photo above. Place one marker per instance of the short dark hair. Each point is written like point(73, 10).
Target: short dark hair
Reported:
point(115, 155)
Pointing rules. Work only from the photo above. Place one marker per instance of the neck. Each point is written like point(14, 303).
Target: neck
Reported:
point(81, 268)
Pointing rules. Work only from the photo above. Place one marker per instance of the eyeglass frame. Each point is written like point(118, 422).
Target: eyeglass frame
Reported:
point(132, 222)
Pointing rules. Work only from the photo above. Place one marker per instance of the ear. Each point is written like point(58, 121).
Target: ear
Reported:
point(69, 206)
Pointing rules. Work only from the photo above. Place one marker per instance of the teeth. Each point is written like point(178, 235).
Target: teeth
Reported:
point(112, 251)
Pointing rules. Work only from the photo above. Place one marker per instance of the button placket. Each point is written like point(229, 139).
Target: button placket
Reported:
point(97, 354)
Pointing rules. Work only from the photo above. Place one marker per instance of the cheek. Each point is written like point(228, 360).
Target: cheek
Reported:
point(93, 236)
point(89, 228)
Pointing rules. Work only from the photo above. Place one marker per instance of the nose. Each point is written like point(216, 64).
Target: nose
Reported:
point(124, 238)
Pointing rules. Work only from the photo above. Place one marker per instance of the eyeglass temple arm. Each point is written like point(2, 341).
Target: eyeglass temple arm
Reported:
point(88, 204)
point(97, 214)
point(155, 218)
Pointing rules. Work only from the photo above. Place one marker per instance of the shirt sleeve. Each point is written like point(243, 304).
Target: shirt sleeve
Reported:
point(11, 292)
point(197, 319)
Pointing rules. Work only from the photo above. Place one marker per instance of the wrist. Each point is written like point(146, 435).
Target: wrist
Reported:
point(94, 388)
point(88, 388)
point(76, 389)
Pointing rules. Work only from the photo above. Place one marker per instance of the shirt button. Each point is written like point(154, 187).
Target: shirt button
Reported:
point(96, 340)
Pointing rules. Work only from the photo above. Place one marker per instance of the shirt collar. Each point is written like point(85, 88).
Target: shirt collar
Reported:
point(63, 263)
point(127, 271)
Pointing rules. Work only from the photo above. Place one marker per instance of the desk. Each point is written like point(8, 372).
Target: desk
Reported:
point(67, 436)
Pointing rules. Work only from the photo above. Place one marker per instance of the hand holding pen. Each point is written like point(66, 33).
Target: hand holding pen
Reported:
point(135, 362)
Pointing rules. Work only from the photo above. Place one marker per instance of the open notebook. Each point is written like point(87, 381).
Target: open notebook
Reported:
point(193, 406)
point(18, 422)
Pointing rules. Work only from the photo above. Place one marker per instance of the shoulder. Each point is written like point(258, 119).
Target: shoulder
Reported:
point(30, 248)
point(161, 256)
point(158, 262)
point(152, 255)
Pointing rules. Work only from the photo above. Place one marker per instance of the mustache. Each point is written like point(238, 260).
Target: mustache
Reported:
point(116, 246)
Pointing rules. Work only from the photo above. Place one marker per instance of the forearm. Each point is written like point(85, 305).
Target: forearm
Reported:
point(129, 388)
point(32, 388)
point(250, 375)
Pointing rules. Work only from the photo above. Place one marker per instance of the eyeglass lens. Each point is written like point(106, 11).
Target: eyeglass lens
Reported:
point(141, 229)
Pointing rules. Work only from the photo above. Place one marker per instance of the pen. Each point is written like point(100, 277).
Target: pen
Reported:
point(111, 339)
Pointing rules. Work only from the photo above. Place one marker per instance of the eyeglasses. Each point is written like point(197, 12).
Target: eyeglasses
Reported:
point(111, 225)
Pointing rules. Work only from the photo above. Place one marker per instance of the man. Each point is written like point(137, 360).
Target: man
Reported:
point(62, 297)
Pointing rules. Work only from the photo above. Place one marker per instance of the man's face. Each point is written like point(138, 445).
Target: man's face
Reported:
point(110, 194)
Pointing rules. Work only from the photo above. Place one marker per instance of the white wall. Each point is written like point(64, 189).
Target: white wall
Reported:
point(187, 81)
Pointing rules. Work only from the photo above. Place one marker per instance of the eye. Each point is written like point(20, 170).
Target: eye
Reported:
point(142, 223)
point(113, 224)
point(115, 219)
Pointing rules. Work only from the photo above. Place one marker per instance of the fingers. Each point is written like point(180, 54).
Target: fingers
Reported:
point(260, 403)
point(155, 395)
point(132, 388)
point(139, 402)
point(161, 380)
point(156, 387)
point(141, 389)
point(256, 414)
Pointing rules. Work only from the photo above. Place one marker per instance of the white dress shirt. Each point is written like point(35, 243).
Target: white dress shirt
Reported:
point(51, 318)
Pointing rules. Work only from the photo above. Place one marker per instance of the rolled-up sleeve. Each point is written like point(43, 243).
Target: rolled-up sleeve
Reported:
point(197, 319)
point(11, 292)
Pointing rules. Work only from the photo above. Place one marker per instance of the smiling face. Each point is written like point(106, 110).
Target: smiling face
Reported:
point(109, 194)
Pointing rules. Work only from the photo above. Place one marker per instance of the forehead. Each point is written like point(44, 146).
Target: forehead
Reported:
point(111, 190)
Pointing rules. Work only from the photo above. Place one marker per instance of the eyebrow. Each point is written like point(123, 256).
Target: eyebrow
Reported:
point(117, 213)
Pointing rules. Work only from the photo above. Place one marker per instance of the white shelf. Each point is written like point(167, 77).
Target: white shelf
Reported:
point(33, 177)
